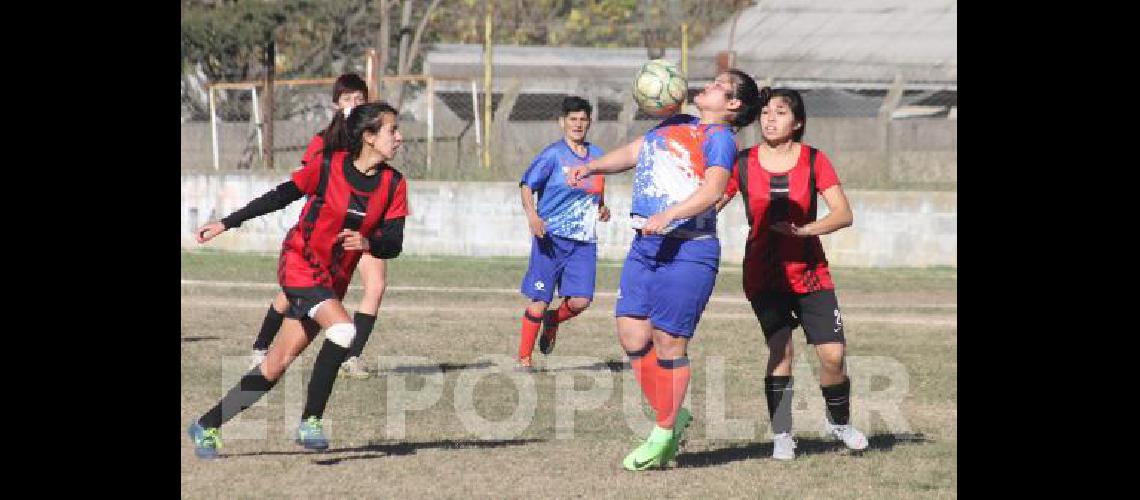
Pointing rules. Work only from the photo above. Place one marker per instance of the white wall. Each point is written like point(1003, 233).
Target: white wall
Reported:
point(892, 228)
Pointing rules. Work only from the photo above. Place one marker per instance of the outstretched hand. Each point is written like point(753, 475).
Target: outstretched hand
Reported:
point(209, 231)
point(577, 175)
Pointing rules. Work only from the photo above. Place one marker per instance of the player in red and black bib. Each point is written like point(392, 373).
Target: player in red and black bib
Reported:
point(786, 277)
point(349, 91)
point(357, 203)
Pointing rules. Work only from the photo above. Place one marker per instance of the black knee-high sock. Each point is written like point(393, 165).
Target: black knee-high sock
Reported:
point(269, 327)
point(249, 389)
point(838, 398)
point(363, 323)
point(323, 377)
point(779, 391)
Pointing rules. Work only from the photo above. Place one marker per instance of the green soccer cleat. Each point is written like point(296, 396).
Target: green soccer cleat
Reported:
point(680, 424)
point(649, 454)
point(206, 441)
point(311, 434)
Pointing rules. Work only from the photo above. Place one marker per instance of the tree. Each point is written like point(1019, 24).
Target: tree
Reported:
point(224, 40)
point(409, 42)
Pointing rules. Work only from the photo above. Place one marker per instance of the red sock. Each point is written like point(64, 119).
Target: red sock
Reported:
point(643, 368)
point(672, 382)
point(530, 326)
point(564, 312)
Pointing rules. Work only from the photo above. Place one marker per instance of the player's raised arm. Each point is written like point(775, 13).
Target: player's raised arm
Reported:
point(279, 197)
point(616, 161)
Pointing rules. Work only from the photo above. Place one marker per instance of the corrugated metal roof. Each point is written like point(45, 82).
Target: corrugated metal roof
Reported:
point(514, 61)
point(868, 40)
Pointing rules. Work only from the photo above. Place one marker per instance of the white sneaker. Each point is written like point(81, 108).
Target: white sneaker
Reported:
point(354, 367)
point(851, 437)
point(783, 446)
point(257, 357)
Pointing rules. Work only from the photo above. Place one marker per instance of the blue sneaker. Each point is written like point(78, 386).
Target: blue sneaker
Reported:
point(311, 434)
point(206, 441)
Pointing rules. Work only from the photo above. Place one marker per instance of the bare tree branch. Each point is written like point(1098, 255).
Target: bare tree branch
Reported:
point(384, 36)
point(419, 33)
point(405, 21)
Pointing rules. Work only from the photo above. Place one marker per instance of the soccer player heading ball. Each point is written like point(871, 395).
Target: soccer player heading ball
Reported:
point(357, 203)
point(682, 167)
point(564, 248)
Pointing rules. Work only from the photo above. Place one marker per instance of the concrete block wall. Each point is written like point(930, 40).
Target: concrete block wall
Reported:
point(892, 228)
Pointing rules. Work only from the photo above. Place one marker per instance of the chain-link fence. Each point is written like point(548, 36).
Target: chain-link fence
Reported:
point(881, 136)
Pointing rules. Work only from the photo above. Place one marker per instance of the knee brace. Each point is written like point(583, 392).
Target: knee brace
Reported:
point(341, 334)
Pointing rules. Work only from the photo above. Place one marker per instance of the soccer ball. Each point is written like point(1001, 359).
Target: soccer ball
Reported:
point(659, 88)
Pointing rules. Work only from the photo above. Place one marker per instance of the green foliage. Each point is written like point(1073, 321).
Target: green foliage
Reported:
point(229, 38)
point(315, 38)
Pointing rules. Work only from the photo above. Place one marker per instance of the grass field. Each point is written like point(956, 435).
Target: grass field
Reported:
point(460, 317)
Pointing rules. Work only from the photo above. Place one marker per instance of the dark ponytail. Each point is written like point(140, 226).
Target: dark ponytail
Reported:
point(336, 134)
point(744, 89)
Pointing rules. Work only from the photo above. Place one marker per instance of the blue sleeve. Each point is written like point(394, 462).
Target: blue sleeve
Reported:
point(538, 172)
point(720, 150)
point(596, 152)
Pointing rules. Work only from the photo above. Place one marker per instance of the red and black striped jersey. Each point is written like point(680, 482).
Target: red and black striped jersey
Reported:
point(774, 261)
point(339, 197)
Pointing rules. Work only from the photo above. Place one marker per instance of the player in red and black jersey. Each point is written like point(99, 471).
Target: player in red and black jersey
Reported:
point(349, 91)
point(786, 277)
point(357, 203)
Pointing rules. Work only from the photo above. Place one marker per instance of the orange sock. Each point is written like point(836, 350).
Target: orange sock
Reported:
point(643, 366)
point(672, 382)
point(564, 312)
point(530, 326)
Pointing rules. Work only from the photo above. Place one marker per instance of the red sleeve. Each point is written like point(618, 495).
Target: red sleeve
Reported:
point(399, 206)
point(825, 175)
point(313, 149)
point(307, 177)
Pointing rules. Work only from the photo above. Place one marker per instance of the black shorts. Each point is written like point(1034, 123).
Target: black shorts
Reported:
point(817, 312)
point(302, 300)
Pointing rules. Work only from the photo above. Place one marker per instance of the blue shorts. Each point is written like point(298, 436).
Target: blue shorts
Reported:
point(560, 262)
point(669, 281)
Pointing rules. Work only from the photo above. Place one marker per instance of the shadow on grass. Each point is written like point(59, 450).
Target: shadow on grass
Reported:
point(199, 339)
point(381, 449)
point(805, 446)
point(611, 365)
point(441, 367)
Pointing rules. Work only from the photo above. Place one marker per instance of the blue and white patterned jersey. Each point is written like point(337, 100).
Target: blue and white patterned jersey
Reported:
point(671, 166)
point(567, 211)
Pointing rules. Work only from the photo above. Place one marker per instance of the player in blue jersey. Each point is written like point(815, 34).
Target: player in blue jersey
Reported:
point(564, 249)
point(682, 167)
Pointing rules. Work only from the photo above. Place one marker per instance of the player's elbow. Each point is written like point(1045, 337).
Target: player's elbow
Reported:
point(390, 241)
point(845, 218)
